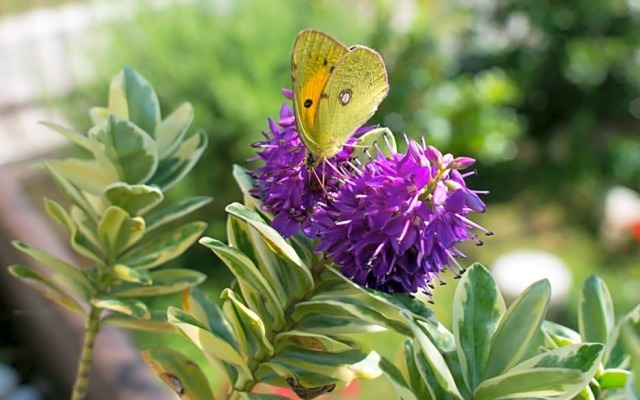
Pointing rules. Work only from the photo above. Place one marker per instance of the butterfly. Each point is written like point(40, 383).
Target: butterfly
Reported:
point(336, 89)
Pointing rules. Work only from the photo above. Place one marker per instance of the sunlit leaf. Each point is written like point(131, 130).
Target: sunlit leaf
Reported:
point(117, 231)
point(135, 199)
point(73, 135)
point(77, 241)
point(87, 175)
point(175, 212)
point(172, 129)
point(132, 97)
point(164, 281)
point(179, 163)
point(595, 314)
point(45, 287)
point(178, 372)
point(157, 322)
point(247, 326)
point(134, 308)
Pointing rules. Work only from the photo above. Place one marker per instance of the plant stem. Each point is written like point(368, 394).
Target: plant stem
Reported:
point(91, 328)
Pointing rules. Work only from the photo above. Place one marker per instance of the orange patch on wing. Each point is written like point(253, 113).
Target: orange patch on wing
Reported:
point(312, 90)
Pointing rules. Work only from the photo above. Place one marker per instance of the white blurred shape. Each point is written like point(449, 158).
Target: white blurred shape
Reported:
point(620, 213)
point(516, 270)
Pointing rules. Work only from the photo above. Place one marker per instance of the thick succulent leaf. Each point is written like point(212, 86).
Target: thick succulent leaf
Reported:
point(87, 175)
point(214, 346)
point(78, 242)
point(73, 135)
point(179, 372)
point(344, 306)
point(121, 145)
point(165, 281)
point(311, 341)
point(376, 139)
point(631, 340)
point(199, 306)
point(545, 383)
point(257, 292)
point(131, 307)
point(62, 267)
point(517, 329)
point(407, 361)
point(595, 313)
point(560, 334)
point(132, 97)
point(87, 226)
point(157, 322)
point(117, 231)
point(72, 193)
point(177, 165)
point(394, 306)
point(296, 279)
point(344, 366)
point(584, 357)
point(164, 247)
point(477, 309)
point(431, 364)
point(135, 199)
point(172, 129)
point(616, 356)
point(99, 114)
point(248, 327)
point(245, 183)
point(613, 378)
point(400, 385)
point(335, 325)
point(128, 274)
point(175, 212)
point(45, 287)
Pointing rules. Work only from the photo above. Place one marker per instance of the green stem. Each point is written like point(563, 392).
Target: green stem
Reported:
point(91, 328)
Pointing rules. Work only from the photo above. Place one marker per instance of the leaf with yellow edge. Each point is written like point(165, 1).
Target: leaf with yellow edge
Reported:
point(178, 372)
point(117, 231)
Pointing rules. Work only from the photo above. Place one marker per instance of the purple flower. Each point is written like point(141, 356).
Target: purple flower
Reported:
point(394, 225)
point(287, 187)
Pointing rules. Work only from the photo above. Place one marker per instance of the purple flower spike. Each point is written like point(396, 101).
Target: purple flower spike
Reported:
point(395, 224)
point(287, 187)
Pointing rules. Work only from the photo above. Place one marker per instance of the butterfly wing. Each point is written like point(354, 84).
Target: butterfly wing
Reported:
point(351, 96)
point(315, 55)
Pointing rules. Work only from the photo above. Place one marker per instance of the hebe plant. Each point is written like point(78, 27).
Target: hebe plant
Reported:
point(116, 219)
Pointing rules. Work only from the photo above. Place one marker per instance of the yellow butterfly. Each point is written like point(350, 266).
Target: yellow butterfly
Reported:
point(336, 89)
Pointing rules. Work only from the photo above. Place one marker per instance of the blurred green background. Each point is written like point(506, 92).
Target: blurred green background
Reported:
point(545, 94)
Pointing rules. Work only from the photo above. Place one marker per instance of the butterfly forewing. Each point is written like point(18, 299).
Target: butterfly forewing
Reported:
point(315, 54)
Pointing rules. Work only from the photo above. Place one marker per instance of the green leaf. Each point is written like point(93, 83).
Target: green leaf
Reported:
point(78, 242)
point(173, 129)
point(400, 385)
point(72, 193)
point(584, 357)
point(198, 305)
point(256, 291)
point(135, 199)
point(311, 341)
point(214, 346)
point(134, 308)
point(595, 314)
point(296, 278)
point(477, 309)
point(128, 274)
point(406, 355)
point(122, 146)
point(248, 327)
point(75, 136)
point(370, 142)
point(335, 325)
point(45, 287)
point(613, 378)
point(531, 383)
point(87, 175)
point(616, 355)
point(178, 372)
point(175, 212)
point(157, 322)
point(245, 183)
point(62, 267)
point(631, 340)
point(175, 167)
point(132, 97)
point(431, 364)
point(98, 114)
point(116, 231)
point(165, 247)
point(165, 281)
point(87, 226)
point(518, 328)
